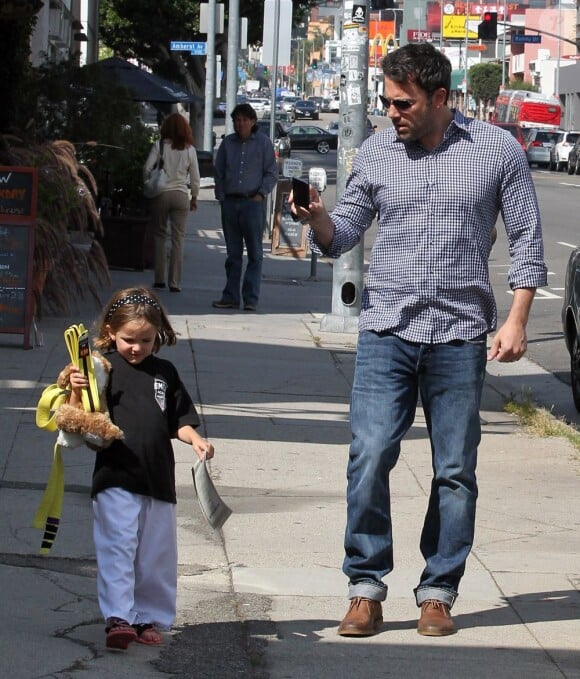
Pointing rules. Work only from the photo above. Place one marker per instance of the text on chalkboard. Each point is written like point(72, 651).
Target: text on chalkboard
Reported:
point(16, 192)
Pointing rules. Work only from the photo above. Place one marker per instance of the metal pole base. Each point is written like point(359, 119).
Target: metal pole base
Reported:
point(336, 323)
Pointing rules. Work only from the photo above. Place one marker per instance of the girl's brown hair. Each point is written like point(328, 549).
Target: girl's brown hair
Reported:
point(134, 304)
point(176, 128)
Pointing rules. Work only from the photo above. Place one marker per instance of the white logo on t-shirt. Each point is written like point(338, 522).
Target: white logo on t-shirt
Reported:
point(160, 387)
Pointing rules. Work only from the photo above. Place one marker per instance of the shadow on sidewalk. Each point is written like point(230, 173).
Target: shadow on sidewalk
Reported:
point(318, 653)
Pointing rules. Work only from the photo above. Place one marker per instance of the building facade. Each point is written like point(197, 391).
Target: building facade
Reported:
point(66, 28)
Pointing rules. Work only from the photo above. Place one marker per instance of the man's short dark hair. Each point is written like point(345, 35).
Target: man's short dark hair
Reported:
point(420, 63)
point(244, 110)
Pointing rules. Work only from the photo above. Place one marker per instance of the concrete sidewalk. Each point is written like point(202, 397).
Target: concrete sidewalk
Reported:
point(263, 598)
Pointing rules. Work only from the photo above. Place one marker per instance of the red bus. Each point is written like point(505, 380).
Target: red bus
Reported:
point(527, 109)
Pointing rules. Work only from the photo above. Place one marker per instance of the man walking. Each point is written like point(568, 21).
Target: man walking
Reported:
point(437, 181)
point(245, 173)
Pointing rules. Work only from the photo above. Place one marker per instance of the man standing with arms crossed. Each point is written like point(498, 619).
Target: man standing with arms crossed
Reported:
point(437, 182)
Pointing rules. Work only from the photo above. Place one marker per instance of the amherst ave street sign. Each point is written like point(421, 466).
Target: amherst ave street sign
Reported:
point(521, 38)
point(197, 48)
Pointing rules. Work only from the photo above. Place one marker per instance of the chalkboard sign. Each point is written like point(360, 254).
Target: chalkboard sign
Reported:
point(17, 193)
point(288, 235)
point(18, 188)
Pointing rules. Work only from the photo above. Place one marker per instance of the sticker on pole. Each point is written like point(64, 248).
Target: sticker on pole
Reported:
point(292, 167)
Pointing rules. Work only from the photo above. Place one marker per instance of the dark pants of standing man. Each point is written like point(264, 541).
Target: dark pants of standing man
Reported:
point(243, 223)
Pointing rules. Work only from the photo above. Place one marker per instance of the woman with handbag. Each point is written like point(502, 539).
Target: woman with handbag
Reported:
point(175, 156)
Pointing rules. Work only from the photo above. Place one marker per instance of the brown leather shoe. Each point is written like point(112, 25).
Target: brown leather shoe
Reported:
point(363, 619)
point(435, 620)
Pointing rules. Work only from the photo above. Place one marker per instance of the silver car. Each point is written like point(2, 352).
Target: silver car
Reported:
point(539, 142)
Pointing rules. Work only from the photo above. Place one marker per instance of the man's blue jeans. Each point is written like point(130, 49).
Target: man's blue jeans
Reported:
point(243, 223)
point(389, 375)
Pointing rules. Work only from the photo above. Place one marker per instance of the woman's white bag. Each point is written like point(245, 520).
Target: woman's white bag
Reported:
point(155, 184)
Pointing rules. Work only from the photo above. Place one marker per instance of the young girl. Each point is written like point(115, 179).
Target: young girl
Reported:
point(133, 486)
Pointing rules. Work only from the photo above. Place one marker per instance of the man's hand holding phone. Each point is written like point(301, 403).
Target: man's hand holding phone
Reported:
point(299, 199)
point(309, 207)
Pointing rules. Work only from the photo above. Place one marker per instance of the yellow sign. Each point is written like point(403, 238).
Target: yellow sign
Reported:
point(454, 27)
point(381, 34)
point(379, 46)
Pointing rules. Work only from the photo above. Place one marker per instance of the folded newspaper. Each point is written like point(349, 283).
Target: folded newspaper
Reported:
point(212, 506)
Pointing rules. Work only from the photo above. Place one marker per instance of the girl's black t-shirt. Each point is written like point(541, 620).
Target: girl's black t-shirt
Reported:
point(149, 403)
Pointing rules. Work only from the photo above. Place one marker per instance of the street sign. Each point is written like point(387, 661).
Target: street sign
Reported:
point(196, 48)
point(520, 38)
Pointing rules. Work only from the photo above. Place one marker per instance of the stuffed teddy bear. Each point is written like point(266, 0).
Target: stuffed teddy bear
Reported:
point(77, 426)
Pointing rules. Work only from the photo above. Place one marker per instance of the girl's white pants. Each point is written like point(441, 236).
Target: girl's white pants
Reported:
point(136, 546)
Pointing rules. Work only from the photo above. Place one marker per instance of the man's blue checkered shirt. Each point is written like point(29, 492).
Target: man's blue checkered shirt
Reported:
point(428, 278)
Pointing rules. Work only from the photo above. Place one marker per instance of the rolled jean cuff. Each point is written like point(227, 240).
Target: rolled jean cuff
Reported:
point(423, 594)
point(367, 589)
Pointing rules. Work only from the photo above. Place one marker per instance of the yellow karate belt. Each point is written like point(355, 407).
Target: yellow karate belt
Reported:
point(49, 510)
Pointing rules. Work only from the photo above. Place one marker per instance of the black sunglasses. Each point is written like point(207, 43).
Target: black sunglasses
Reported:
point(399, 104)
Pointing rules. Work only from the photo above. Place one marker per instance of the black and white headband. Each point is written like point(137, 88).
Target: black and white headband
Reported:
point(133, 299)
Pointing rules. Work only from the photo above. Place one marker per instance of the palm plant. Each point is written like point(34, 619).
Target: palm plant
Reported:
point(68, 263)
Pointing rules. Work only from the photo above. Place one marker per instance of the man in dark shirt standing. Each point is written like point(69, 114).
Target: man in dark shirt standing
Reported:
point(246, 171)
point(437, 181)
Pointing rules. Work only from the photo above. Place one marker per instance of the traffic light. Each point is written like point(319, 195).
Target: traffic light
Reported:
point(487, 29)
point(314, 65)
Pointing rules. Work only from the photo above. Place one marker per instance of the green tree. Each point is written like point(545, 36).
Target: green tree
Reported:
point(517, 84)
point(143, 29)
point(17, 21)
point(485, 80)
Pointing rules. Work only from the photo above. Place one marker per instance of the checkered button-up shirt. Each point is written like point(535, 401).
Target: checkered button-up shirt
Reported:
point(428, 278)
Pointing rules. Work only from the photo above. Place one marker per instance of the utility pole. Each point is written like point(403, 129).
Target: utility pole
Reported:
point(232, 67)
point(347, 272)
point(209, 77)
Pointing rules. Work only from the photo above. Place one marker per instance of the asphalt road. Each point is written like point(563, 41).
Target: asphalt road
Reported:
point(558, 195)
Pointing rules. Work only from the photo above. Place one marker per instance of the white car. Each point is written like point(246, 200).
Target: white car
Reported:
point(287, 103)
point(262, 107)
point(559, 152)
point(334, 105)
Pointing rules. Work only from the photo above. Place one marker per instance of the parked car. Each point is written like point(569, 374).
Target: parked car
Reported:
point(571, 321)
point(561, 150)
point(284, 116)
point(312, 137)
point(317, 100)
point(369, 129)
point(334, 104)
point(573, 165)
point(288, 103)
point(332, 127)
point(282, 144)
point(539, 141)
point(306, 109)
point(516, 131)
point(261, 106)
point(220, 110)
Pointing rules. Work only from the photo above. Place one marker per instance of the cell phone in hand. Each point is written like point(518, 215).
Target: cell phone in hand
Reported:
point(301, 192)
